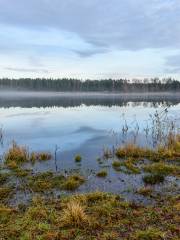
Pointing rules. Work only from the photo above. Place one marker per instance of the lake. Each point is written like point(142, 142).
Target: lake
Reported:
point(84, 124)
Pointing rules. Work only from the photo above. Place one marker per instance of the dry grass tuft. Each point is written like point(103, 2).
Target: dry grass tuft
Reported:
point(74, 215)
point(16, 155)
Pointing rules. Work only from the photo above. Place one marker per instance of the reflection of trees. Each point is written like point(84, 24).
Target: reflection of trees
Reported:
point(94, 101)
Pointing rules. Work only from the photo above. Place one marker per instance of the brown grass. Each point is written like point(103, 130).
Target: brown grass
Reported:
point(74, 215)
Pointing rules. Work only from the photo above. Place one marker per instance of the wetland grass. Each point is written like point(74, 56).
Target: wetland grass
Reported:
point(5, 193)
point(72, 182)
point(169, 151)
point(47, 181)
point(74, 215)
point(91, 216)
point(78, 158)
point(145, 191)
point(153, 179)
point(19, 155)
point(149, 234)
point(102, 174)
point(116, 165)
point(3, 177)
point(95, 215)
point(162, 169)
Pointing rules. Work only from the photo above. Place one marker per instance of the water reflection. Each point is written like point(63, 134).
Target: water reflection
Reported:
point(73, 122)
point(75, 101)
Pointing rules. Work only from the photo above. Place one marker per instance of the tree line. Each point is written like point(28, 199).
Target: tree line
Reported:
point(110, 85)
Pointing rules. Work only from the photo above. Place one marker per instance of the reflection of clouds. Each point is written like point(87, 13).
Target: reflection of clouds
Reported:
point(46, 127)
point(37, 122)
point(87, 129)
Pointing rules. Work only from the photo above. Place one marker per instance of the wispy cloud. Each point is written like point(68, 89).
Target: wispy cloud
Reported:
point(27, 70)
point(75, 31)
point(125, 24)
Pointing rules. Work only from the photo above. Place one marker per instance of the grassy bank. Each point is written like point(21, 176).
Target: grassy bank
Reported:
point(92, 216)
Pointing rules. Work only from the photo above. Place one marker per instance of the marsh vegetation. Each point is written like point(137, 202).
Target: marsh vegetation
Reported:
point(96, 215)
point(54, 204)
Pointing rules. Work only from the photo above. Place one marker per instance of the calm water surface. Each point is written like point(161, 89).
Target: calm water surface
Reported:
point(80, 125)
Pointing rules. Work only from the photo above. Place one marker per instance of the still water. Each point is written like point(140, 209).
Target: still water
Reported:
point(76, 124)
point(84, 125)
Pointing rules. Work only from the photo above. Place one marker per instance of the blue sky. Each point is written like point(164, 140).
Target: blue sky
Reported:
point(90, 38)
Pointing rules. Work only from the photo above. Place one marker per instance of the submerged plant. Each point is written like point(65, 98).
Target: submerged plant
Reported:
point(102, 173)
point(78, 158)
point(153, 178)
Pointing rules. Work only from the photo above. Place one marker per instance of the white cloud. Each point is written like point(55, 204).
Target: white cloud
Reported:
point(69, 31)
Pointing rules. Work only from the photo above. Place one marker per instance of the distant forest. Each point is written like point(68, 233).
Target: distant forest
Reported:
point(108, 85)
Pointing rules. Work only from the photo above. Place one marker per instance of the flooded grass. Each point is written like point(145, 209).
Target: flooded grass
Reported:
point(56, 210)
point(73, 182)
point(102, 173)
point(163, 169)
point(116, 165)
point(18, 155)
point(78, 158)
point(153, 179)
point(47, 181)
point(170, 151)
point(145, 191)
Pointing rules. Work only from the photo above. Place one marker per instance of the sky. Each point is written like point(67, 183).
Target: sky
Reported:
point(90, 38)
